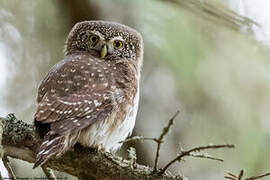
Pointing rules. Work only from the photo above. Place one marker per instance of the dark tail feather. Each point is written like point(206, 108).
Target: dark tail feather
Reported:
point(39, 162)
point(52, 145)
point(55, 145)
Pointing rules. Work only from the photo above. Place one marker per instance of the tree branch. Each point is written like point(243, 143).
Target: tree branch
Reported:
point(9, 168)
point(161, 137)
point(194, 150)
point(232, 176)
point(49, 173)
point(20, 142)
point(216, 13)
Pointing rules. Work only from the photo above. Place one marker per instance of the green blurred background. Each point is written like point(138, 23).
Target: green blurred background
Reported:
point(200, 58)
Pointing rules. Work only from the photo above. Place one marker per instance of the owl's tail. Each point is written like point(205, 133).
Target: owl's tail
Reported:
point(54, 145)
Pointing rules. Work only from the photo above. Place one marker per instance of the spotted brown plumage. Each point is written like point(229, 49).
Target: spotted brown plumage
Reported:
point(87, 99)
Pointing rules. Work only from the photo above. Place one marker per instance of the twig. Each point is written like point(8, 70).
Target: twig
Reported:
point(49, 173)
point(206, 156)
point(9, 168)
point(216, 14)
point(1, 147)
point(160, 139)
point(241, 174)
point(233, 176)
point(258, 177)
point(5, 160)
point(191, 153)
point(139, 138)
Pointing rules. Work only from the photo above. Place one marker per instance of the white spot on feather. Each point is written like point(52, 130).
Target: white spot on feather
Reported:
point(97, 103)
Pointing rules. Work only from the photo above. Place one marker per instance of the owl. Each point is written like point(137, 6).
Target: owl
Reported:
point(91, 96)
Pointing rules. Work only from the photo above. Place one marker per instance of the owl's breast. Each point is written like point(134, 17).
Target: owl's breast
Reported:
point(124, 89)
point(116, 128)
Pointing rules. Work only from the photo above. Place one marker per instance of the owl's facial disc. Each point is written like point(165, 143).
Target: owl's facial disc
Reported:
point(106, 40)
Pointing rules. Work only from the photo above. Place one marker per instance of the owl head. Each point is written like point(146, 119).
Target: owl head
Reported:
point(105, 40)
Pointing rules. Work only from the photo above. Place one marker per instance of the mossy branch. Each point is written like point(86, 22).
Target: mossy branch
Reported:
point(19, 142)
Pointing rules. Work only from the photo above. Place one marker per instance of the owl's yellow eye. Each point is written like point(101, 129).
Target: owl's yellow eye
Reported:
point(117, 44)
point(93, 39)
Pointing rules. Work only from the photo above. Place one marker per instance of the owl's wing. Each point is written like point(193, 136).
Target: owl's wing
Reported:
point(74, 111)
point(61, 121)
point(65, 108)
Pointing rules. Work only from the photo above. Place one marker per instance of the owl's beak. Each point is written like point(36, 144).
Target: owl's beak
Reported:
point(104, 51)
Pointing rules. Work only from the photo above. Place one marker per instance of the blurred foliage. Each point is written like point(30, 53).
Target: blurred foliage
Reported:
point(200, 58)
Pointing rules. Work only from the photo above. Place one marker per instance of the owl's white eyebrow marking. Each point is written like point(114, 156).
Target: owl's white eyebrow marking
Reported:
point(101, 36)
point(116, 38)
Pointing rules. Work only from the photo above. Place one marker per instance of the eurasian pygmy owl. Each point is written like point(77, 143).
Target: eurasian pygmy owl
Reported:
point(91, 96)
